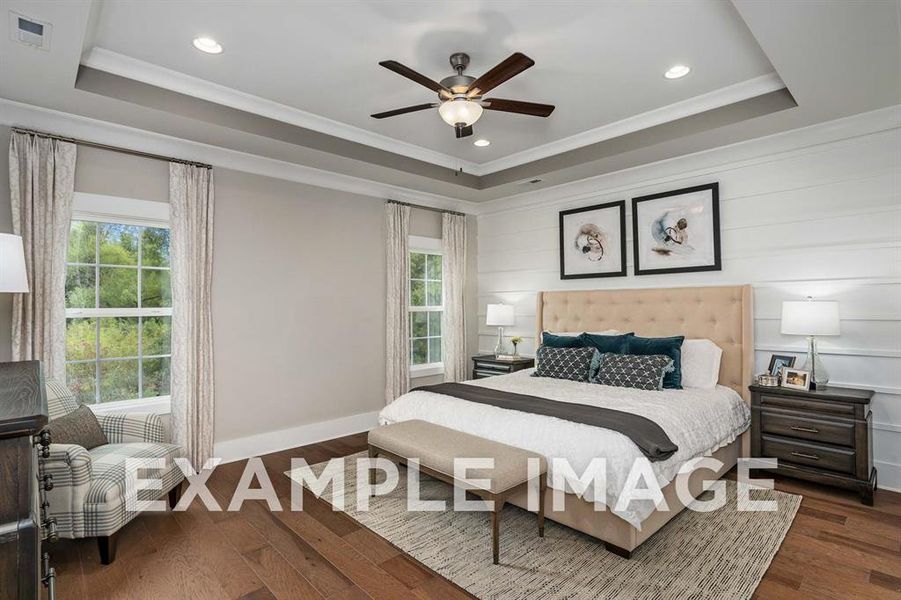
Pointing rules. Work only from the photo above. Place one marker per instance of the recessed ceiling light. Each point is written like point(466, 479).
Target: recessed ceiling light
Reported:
point(208, 45)
point(677, 71)
point(481, 143)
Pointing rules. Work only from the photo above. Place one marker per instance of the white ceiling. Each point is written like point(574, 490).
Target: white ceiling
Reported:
point(836, 59)
point(598, 62)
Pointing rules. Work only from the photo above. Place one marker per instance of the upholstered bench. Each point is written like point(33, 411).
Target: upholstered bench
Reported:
point(436, 447)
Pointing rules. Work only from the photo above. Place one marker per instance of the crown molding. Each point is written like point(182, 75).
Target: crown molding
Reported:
point(17, 114)
point(687, 167)
point(155, 75)
point(716, 99)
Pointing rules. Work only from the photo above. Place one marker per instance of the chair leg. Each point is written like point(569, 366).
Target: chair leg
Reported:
point(175, 495)
point(542, 491)
point(107, 545)
point(496, 529)
point(373, 453)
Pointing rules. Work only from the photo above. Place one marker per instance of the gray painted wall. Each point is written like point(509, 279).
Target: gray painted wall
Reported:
point(298, 288)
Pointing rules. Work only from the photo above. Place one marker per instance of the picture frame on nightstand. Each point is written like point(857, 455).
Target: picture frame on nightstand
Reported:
point(777, 361)
point(795, 379)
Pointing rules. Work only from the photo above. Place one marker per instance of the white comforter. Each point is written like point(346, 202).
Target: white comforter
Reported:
point(698, 421)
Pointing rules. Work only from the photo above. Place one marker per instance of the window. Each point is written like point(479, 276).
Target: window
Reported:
point(118, 308)
point(426, 306)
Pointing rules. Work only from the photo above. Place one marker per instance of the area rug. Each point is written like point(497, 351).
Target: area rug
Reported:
point(718, 554)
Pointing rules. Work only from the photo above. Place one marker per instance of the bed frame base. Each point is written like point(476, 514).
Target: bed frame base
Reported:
point(617, 550)
point(618, 536)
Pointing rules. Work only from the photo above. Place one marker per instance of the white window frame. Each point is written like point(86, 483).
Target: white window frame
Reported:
point(123, 211)
point(427, 245)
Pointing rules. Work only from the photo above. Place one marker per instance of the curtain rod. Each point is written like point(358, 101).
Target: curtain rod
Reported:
point(112, 148)
point(431, 208)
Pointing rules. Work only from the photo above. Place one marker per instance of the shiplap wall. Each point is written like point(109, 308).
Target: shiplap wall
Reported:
point(813, 212)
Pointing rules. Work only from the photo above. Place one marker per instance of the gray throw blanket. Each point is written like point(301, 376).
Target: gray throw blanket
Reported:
point(647, 435)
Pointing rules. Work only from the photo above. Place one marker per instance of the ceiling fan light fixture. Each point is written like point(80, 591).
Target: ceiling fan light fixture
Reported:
point(208, 45)
point(677, 71)
point(460, 111)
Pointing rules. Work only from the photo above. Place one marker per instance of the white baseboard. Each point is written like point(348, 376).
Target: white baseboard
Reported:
point(274, 441)
point(888, 476)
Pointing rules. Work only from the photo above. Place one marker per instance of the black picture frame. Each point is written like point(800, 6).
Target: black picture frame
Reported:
point(621, 204)
point(715, 215)
point(785, 360)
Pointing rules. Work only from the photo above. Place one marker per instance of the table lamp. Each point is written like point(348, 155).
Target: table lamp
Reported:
point(811, 318)
point(13, 278)
point(500, 316)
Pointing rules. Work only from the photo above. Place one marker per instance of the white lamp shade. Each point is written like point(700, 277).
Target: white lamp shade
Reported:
point(500, 315)
point(810, 318)
point(460, 111)
point(13, 277)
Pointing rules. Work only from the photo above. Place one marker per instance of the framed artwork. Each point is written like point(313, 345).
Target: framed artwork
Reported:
point(777, 361)
point(796, 379)
point(677, 231)
point(593, 241)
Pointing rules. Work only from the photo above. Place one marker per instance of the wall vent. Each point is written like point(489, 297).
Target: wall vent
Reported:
point(30, 32)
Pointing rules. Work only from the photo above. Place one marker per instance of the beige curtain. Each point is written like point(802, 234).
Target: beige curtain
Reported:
point(41, 185)
point(453, 267)
point(397, 350)
point(191, 224)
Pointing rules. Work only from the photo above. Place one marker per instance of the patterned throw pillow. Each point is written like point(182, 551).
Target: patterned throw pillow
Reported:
point(644, 372)
point(79, 427)
point(575, 364)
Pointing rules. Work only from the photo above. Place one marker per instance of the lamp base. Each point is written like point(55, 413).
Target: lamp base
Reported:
point(819, 377)
point(499, 347)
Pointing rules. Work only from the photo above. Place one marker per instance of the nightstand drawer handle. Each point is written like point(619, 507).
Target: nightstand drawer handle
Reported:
point(805, 429)
point(803, 455)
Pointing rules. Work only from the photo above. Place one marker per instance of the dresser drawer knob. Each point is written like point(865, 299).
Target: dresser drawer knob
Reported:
point(804, 455)
point(804, 429)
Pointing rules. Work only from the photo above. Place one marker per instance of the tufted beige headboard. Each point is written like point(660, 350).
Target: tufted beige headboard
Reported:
point(722, 314)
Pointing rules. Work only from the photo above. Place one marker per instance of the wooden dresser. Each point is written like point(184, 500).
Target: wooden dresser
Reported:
point(823, 435)
point(487, 365)
point(23, 413)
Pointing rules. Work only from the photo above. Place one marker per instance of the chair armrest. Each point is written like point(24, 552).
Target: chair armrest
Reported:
point(69, 464)
point(122, 428)
point(72, 471)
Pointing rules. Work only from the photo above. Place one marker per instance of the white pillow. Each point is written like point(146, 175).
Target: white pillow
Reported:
point(700, 364)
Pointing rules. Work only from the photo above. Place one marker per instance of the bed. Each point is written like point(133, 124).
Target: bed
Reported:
point(701, 422)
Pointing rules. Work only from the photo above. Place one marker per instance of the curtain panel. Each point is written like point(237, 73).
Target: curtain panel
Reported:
point(453, 265)
point(397, 338)
point(41, 186)
point(191, 200)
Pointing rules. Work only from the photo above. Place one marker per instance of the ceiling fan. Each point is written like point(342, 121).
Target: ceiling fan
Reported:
point(461, 96)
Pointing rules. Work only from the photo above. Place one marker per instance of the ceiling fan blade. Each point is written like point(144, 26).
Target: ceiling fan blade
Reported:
point(393, 65)
point(403, 111)
point(517, 106)
point(512, 66)
point(462, 132)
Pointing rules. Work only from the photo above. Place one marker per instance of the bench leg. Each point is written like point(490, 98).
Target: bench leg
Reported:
point(373, 453)
point(496, 529)
point(542, 491)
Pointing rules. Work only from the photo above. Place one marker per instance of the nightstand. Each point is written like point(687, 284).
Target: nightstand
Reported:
point(486, 365)
point(824, 435)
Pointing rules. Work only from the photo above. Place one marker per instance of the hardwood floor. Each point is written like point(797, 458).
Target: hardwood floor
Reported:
point(836, 549)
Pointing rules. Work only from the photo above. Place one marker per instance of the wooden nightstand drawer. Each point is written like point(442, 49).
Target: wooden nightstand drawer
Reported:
point(806, 405)
point(488, 365)
point(496, 367)
point(840, 460)
point(807, 428)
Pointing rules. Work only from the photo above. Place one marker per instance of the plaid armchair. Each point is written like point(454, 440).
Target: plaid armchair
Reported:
point(88, 498)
